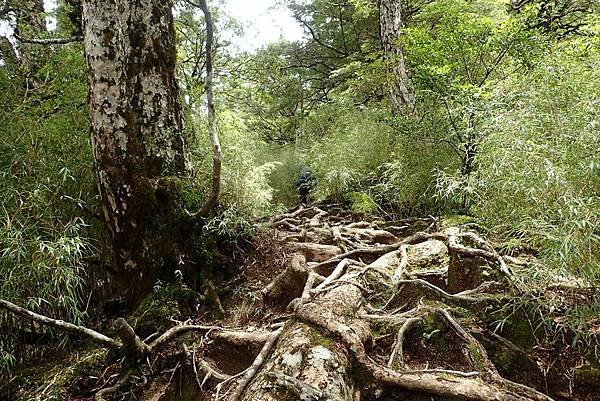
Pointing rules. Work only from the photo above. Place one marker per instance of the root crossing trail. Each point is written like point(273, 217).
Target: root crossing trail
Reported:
point(356, 290)
point(362, 311)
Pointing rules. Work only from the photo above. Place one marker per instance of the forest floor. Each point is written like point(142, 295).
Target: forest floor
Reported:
point(333, 306)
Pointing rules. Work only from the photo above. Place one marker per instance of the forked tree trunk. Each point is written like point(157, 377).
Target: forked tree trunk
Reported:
point(136, 130)
point(390, 28)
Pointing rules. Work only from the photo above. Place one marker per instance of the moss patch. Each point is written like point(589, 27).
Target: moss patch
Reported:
point(456, 220)
point(165, 302)
point(56, 380)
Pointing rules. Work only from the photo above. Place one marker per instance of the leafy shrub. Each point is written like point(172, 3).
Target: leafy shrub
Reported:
point(358, 142)
point(539, 175)
point(45, 173)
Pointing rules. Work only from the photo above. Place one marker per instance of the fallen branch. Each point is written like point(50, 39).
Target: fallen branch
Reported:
point(49, 41)
point(80, 330)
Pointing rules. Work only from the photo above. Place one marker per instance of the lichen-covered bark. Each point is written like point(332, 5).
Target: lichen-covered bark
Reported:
point(136, 126)
point(390, 28)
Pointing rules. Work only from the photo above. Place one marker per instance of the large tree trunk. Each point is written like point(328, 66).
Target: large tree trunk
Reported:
point(136, 131)
point(390, 29)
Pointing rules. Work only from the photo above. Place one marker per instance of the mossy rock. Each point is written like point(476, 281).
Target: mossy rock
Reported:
point(428, 255)
point(157, 309)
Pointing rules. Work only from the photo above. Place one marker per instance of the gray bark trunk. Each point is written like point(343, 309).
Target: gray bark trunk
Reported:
point(136, 129)
point(212, 121)
point(390, 29)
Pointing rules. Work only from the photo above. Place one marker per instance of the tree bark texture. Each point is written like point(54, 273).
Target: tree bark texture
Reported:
point(136, 129)
point(390, 29)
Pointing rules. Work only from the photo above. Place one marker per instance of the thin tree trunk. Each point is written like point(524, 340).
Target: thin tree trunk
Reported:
point(136, 131)
point(390, 29)
point(212, 124)
point(31, 22)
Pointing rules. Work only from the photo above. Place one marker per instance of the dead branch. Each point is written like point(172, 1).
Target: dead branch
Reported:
point(60, 324)
point(49, 41)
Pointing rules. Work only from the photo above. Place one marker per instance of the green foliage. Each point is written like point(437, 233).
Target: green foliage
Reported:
point(539, 175)
point(245, 190)
point(506, 129)
point(45, 172)
point(361, 203)
point(355, 144)
point(166, 302)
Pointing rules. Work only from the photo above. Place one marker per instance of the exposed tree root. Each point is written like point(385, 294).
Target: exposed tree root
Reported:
point(105, 392)
point(344, 278)
point(253, 369)
point(397, 355)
